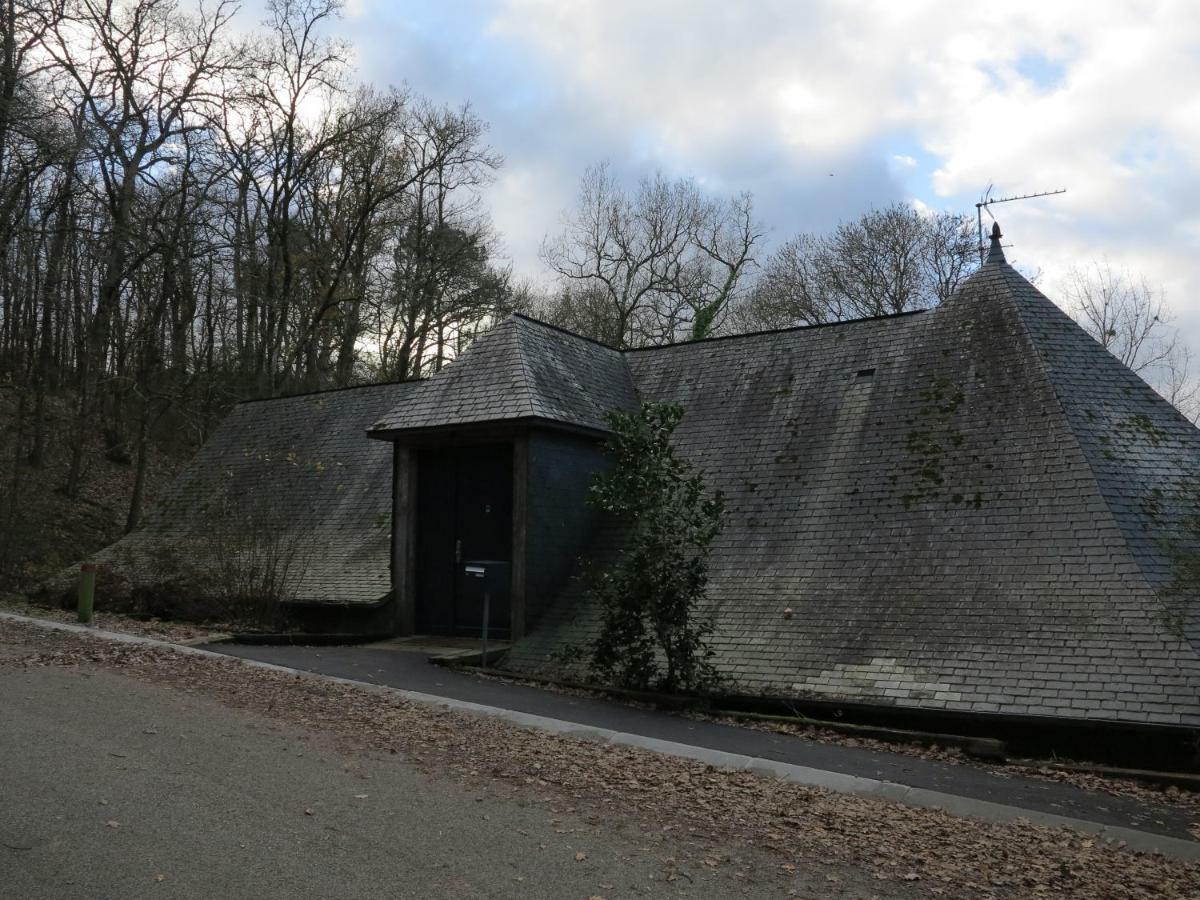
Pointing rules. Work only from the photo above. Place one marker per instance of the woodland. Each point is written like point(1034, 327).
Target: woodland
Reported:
point(193, 214)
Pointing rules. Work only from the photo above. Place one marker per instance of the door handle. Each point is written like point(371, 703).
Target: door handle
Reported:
point(457, 552)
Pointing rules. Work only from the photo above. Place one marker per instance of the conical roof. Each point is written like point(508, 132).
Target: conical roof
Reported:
point(975, 508)
point(521, 370)
point(1138, 452)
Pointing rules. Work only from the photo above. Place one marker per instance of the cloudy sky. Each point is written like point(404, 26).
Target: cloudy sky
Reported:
point(824, 109)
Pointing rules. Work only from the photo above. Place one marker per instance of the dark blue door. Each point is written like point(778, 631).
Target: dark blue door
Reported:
point(464, 512)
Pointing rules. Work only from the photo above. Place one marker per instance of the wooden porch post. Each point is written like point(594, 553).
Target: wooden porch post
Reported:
point(520, 487)
point(404, 534)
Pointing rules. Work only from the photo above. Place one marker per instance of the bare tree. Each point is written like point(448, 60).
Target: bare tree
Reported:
point(440, 284)
point(1132, 320)
point(794, 289)
point(276, 146)
point(145, 76)
point(1125, 314)
point(885, 262)
point(30, 146)
point(725, 235)
point(668, 262)
point(351, 211)
point(582, 308)
point(186, 220)
point(1179, 384)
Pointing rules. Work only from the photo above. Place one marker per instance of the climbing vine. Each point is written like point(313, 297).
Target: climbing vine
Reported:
point(1183, 550)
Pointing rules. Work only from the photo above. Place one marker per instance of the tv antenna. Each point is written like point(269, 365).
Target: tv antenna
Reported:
point(987, 200)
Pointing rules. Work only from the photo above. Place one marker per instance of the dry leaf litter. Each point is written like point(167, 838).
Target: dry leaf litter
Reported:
point(931, 851)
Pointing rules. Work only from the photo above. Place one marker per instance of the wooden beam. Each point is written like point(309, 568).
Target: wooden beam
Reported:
point(520, 487)
point(404, 538)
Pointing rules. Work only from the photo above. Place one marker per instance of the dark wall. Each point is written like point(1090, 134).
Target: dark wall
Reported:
point(560, 521)
point(352, 620)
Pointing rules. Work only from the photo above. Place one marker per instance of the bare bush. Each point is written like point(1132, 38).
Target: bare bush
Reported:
point(253, 558)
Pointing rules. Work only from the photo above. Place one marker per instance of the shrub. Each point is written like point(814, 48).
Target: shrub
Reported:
point(652, 634)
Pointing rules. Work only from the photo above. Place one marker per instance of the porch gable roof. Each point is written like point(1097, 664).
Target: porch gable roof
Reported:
point(520, 370)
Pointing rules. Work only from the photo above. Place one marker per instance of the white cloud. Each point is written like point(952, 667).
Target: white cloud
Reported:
point(524, 207)
point(824, 109)
point(923, 208)
point(1103, 99)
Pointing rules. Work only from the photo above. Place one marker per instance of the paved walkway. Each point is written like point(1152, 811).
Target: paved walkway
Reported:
point(412, 671)
point(114, 787)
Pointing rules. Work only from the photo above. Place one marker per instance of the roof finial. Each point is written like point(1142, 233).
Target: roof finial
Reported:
point(995, 254)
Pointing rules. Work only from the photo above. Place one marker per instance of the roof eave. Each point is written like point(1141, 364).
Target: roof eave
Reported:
point(470, 429)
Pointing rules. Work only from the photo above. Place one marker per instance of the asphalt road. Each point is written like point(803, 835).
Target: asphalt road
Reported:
point(111, 787)
point(412, 671)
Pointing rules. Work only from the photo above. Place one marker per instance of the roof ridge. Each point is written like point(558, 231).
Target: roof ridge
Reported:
point(516, 371)
point(718, 337)
point(1043, 368)
point(787, 330)
point(1165, 405)
point(523, 363)
point(561, 330)
point(333, 390)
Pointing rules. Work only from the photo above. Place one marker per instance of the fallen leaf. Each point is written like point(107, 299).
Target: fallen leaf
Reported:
point(113, 823)
point(580, 856)
point(860, 834)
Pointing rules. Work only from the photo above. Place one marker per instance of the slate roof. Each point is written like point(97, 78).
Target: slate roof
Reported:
point(972, 508)
point(298, 473)
point(521, 370)
point(975, 508)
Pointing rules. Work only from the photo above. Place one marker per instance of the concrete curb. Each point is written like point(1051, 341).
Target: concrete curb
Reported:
point(983, 810)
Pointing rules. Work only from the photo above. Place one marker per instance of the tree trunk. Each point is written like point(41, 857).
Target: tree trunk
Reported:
point(100, 327)
point(51, 289)
point(139, 477)
point(8, 526)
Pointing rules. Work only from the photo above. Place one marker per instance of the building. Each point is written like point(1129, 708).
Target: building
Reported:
point(972, 509)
